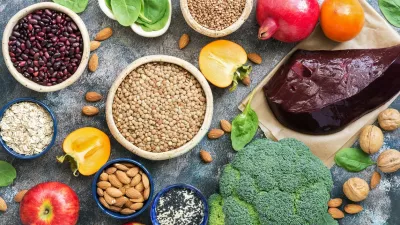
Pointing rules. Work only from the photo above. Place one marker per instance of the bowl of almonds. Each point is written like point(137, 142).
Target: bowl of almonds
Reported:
point(123, 188)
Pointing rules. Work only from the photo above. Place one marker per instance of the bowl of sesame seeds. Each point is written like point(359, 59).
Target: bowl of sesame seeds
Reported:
point(216, 18)
point(159, 107)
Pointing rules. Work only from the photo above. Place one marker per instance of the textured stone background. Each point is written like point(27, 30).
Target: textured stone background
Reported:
point(382, 207)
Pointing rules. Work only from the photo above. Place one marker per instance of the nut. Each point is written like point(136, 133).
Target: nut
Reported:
point(100, 192)
point(135, 200)
point(184, 41)
point(111, 170)
point(3, 205)
point(115, 181)
point(389, 119)
point(123, 177)
point(371, 139)
point(226, 126)
point(136, 180)
point(123, 190)
point(215, 133)
point(133, 193)
point(104, 34)
point(129, 165)
point(93, 63)
point(114, 192)
point(139, 187)
point(146, 193)
point(389, 161)
point(132, 172)
point(375, 180)
point(114, 208)
point(104, 176)
point(145, 181)
point(205, 156)
point(94, 45)
point(335, 203)
point(121, 201)
point(103, 202)
point(90, 110)
point(136, 206)
point(92, 96)
point(336, 213)
point(356, 189)
point(20, 195)
point(246, 80)
point(110, 200)
point(128, 204)
point(255, 58)
point(103, 185)
point(353, 208)
point(121, 167)
point(127, 211)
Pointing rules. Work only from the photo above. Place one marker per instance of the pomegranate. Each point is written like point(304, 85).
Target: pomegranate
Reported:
point(287, 20)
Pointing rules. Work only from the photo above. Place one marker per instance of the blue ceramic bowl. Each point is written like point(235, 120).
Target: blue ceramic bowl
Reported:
point(119, 215)
point(20, 156)
point(153, 213)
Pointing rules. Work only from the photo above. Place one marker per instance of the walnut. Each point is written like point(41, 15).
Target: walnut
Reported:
point(389, 161)
point(371, 139)
point(356, 189)
point(389, 119)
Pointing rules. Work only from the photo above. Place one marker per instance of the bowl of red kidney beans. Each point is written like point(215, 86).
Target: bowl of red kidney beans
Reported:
point(46, 47)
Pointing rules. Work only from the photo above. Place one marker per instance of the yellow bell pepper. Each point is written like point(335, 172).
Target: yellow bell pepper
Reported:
point(87, 149)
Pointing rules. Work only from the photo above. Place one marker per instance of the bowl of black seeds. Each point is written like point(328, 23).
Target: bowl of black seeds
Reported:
point(46, 47)
point(179, 204)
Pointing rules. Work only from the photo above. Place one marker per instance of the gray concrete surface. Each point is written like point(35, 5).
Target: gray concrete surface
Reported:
point(382, 207)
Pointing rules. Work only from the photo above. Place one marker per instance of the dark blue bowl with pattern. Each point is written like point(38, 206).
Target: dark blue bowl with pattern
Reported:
point(44, 106)
point(153, 212)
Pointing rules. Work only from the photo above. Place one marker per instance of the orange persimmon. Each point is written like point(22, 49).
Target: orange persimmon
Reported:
point(222, 62)
point(342, 20)
point(87, 149)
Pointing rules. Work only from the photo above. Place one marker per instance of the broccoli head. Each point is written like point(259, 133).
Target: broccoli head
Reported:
point(277, 183)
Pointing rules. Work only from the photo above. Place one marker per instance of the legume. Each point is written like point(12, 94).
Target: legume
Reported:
point(216, 14)
point(159, 107)
point(46, 47)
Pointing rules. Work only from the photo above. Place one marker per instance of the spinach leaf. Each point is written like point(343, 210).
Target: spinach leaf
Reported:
point(108, 4)
point(7, 174)
point(155, 15)
point(126, 11)
point(391, 11)
point(244, 126)
point(353, 159)
point(77, 6)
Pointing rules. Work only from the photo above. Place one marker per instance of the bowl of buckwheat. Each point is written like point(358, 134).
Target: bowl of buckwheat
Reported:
point(216, 18)
point(28, 128)
point(159, 107)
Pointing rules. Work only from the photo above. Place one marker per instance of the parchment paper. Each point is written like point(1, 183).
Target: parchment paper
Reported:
point(377, 33)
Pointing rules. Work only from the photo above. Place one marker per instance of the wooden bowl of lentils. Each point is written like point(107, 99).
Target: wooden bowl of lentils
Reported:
point(216, 18)
point(159, 107)
point(46, 47)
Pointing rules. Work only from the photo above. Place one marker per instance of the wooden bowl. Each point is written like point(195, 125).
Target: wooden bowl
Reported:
point(85, 55)
point(215, 33)
point(172, 153)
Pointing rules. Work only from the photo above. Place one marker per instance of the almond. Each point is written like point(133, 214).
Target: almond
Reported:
point(146, 193)
point(93, 96)
point(335, 203)
point(111, 170)
point(136, 200)
point(128, 204)
point(114, 192)
point(375, 180)
point(121, 201)
point(110, 200)
point(123, 177)
point(103, 185)
point(226, 126)
point(104, 176)
point(336, 213)
point(93, 63)
point(136, 180)
point(133, 193)
point(100, 192)
point(205, 156)
point(104, 34)
point(20, 195)
point(145, 181)
point(114, 208)
point(127, 211)
point(129, 165)
point(215, 133)
point(114, 181)
point(3, 205)
point(121, 167)
point(353, 208)
point(90, 110)
point(132, 172)
point(184, 41)
point(94, 45)
point(246, 81)
point(255, 58)
point(136, 206)
point(139, 187)
point(103, 202)
point(123, 190)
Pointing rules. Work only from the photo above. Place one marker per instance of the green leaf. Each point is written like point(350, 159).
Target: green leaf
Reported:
point(244, 126)
point(77, 6)
point(126, 11)
point(155, 15)
point(353, 159)
point(108, 4)
point(7, 174)
point(240, 74)
point(391, 11)
point(72, 163)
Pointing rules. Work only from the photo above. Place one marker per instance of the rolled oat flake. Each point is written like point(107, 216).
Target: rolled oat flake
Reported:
point(26, 128)
point(180, 207)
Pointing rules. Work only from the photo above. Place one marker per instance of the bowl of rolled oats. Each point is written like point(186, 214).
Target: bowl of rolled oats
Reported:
point(28, 128)
point(216, 18)
point(159, 107)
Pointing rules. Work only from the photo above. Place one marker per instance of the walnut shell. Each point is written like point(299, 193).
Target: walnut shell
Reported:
point(389, 161)
point(356, 189)
point(371, 139)
point(389, 119)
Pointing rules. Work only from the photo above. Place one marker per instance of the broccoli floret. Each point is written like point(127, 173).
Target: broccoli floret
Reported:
point(217, 216)
point(276, 183)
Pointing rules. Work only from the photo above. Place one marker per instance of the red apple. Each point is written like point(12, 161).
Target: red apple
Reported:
point(50, 203)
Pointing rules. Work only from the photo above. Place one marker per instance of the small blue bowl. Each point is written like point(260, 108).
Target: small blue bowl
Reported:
point(119, 215)
point(153, 213)
point(20, 156)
